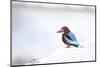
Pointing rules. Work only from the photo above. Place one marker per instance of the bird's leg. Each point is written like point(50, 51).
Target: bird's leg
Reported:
point(68, 46)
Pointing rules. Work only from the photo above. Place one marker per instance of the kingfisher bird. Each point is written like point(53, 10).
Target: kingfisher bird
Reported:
point(68, 37)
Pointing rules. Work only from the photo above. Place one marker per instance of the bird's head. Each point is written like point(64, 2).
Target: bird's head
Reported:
point(64, 29)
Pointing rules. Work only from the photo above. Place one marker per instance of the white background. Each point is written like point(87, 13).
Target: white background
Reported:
point(5, 32)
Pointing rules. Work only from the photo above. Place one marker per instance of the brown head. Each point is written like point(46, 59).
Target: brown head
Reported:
point(64, 29)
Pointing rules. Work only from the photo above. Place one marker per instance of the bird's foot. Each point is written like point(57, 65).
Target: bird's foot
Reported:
point(68, 46)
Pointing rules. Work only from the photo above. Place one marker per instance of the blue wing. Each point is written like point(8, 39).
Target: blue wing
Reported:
point(70, 37)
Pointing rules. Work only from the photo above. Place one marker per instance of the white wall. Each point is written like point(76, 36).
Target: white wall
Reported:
point(5, 27)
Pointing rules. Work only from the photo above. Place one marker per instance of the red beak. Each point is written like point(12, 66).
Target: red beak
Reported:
point(60, 31)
